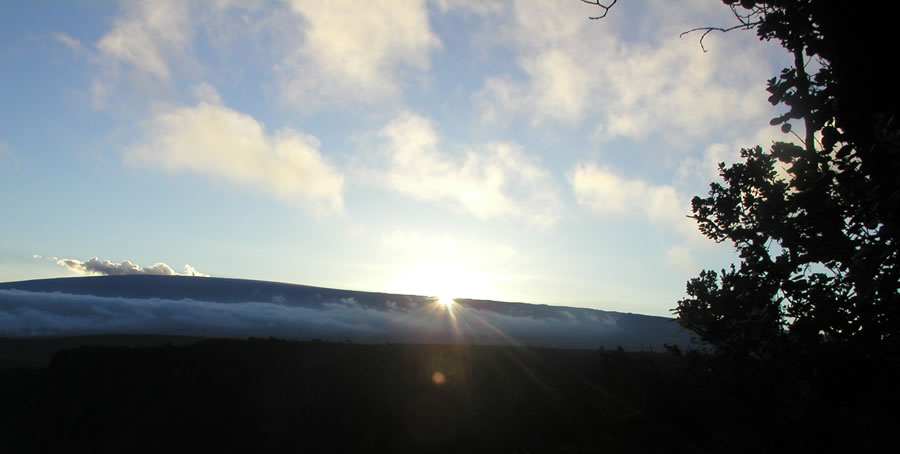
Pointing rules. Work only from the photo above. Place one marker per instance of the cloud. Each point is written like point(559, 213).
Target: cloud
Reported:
point(211, 139)
point(494, 180)
point(147, 33)
point(558, 89)
point(580, 72)
point(418, 320)
point(603, 191)
point(73, 44)
point(352, 54)
point(205, 92)
point(323, 54)
point(704, 169)
point(151, 46)
point(108, 268)
point(478, 7)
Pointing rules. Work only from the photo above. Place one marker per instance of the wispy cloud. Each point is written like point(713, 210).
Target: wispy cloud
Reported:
point(151, 47)
point(214, 140)
point(697, 171)
point(581, 72)
point(146, 34)
point(73, 44)
point(109, 268)
point(603, 191)
point(494, 180)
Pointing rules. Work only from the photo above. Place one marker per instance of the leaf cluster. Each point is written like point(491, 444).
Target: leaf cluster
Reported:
point(815, 223)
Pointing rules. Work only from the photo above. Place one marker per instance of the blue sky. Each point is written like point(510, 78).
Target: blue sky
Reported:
point(511, 150)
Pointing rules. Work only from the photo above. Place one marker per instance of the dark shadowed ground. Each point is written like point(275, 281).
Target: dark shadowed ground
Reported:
point(270, 395)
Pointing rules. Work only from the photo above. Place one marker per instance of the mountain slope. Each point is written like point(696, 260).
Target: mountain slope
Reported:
point(179, 305)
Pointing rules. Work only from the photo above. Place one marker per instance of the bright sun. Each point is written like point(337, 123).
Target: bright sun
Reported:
point(443, 281)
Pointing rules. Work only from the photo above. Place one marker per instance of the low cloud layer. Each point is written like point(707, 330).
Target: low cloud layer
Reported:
point(108, 268)
point(24, 313)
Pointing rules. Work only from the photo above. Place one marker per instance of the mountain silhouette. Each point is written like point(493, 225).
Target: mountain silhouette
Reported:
point(195, 306)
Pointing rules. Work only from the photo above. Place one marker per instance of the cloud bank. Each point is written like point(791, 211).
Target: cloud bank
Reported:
point(37, 313)
point(418, 320)
point(108, 268)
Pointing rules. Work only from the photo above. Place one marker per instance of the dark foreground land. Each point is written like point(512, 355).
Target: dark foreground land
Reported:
point(269, 395)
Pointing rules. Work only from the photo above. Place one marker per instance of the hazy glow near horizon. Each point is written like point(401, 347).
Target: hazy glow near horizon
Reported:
point(512, 150)
point(444, 281)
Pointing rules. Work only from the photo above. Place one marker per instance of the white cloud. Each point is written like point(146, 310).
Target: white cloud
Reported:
point(605, 192)
point(147, 33)
point(191, 271)
point(578, 71)
point(493, 180)
point(205, 92)
point(108, 268)
point(152, 46)
point(558, 89)
point(211, 139)
point(351, 53)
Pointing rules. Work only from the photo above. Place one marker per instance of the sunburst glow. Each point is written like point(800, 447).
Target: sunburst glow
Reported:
point(443, 281)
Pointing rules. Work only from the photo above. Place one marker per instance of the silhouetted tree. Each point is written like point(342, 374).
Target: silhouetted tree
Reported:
point(818, 243)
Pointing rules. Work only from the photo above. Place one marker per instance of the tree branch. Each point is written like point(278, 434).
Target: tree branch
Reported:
point(747, 22)
point(803, 93)
point(601, 5)
point(708, 30)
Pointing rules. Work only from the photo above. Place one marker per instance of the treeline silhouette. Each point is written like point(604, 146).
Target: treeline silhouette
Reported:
point(270, 395)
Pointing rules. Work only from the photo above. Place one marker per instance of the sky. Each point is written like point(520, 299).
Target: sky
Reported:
point(515, 151)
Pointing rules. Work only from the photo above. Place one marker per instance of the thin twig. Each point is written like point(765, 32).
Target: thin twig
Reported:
point(708, 30)
point(746, 23)
point(601, 5)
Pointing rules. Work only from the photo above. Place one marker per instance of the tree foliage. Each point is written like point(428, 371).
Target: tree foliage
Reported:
point(816, 223)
